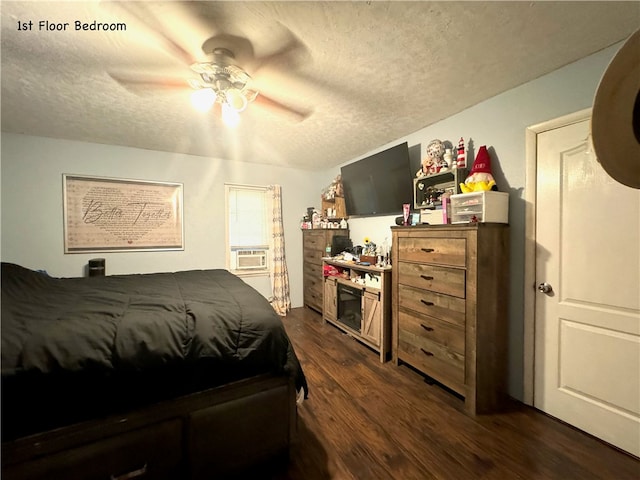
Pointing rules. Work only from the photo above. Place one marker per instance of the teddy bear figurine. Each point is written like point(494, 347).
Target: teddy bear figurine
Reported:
point(427, 167)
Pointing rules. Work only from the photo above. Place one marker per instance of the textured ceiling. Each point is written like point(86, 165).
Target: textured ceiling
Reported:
point(369, 72)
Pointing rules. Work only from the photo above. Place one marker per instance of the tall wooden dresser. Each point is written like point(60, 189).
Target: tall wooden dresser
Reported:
point(449, 307)
point(314, 244)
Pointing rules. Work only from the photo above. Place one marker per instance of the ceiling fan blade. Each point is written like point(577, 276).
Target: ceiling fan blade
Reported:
point(295, 113)
point(290, 55)
point(155, 28)
point(139, 84)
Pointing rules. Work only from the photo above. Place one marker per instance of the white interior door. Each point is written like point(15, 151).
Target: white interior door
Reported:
point(587, 327)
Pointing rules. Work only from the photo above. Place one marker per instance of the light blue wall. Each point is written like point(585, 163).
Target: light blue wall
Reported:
point(500, 124)
point(32, 216)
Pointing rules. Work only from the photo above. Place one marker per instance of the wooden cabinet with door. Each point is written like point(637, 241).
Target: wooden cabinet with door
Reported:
point(314, 244)
point(330, 299)
point(372, 315)
point(450, 300)
point(372, 304)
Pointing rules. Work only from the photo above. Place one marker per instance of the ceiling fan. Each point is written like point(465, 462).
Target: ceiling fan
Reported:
point(218, 81)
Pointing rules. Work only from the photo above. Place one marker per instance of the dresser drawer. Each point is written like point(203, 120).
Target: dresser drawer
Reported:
point(313, 270)
point(313, 286)
point(435, 360)
point(315, 240)
point(442, 307)
point(442, 251)
point(443, 333)
point(153, 452)
point(313, 256)
point(450, 281)
point(313, 298)
point(216, 456)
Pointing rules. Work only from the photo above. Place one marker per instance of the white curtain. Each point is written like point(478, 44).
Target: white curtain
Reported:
point(278, 268)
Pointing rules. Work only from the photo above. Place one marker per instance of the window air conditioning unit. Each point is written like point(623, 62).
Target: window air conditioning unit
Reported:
point(251, 259)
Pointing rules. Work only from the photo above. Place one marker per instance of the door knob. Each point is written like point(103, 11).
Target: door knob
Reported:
point(545, 288)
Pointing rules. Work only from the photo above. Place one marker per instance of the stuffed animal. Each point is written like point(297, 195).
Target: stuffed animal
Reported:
point(427, 167)
point(480, 178)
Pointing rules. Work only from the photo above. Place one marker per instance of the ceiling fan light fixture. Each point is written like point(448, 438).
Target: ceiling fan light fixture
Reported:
point(225, 84)
point(230, 116)
point(250, 95)
point(195, 84)
point(203, 99)
point(235, 99)
point(205, 68)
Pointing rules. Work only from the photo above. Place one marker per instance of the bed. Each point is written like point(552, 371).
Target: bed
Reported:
point(168, 375)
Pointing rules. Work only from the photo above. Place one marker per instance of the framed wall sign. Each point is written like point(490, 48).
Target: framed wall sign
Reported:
point(111, 214)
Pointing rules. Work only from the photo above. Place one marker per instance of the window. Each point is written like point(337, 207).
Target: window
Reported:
point(247, 229)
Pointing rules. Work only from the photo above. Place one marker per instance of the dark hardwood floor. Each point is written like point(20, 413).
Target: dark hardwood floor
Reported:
point(368, 420)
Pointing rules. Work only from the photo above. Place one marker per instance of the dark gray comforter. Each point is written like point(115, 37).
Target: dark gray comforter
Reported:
point(154, 335)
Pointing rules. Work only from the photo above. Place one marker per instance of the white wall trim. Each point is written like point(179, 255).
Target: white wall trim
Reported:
point(531, 170)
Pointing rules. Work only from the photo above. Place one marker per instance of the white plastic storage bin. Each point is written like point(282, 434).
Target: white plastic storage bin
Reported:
point(480, 207)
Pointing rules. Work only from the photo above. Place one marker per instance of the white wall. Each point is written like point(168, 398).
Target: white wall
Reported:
point(32, 217)
point(500, 124)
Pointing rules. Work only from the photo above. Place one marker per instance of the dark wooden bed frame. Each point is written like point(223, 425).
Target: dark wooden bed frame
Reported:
point(210, 434)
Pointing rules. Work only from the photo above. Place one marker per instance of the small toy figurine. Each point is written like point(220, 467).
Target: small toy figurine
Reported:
point(461, 161)
point(480, 178)
point(443, 166)
point(427, 166)
point(448, 158)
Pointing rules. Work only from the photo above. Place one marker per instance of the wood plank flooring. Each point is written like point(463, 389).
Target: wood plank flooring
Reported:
point(368, 420)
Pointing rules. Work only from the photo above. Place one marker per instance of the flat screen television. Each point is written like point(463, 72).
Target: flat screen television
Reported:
point(378, 184)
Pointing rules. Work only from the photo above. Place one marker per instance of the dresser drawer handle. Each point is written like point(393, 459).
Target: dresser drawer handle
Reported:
point(427, 277)
point(428, 329)
point(427, 303)
point(428, 250)
point(132, 474)
point(426, 352)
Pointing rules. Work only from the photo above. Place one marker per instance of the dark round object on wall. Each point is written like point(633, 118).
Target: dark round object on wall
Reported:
point(615, 119)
